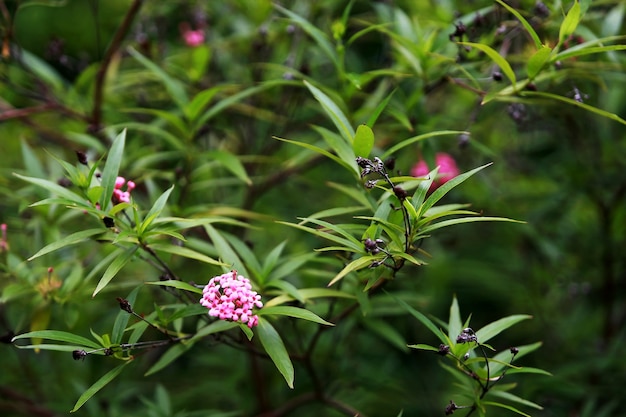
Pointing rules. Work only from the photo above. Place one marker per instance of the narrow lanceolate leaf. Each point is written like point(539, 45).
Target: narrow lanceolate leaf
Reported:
point(121, 321)
point(275, 348)
point(454, 322)
point(355, 265)
point(307, 294)
point(215, 327)
point(72, 239)
point(155, 211)
point(422, 346)
point(53, 188)
point(496, 58)
point(114, 268)
point(424, 320)
point(537, 61)
point(184, 252)
point(334, 112)
point(508, 407)
point(570, 23)
point(177, 284)
point(98, 385)
point(514, 398)
point(407, 142)
point(58, 336)
point(296, 312)
point(231, 163)
point(494, 328)
point(524, 22)
point(363, 141)
point(111, 169)
point(168, 357)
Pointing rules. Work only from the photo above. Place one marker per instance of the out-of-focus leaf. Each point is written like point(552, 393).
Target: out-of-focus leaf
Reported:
point(387, 332)
point(114, 268)
point(174, 87)
point(121, 321)
point(72, 239)
point(168, 357)
point(319, 150)
point(379, 109)
point(406, 142)
point(58, 336)
point(537, 61)
point(98, 385)
point(514, 398)
point(227, 255)
point(570, 23)
point(296, 312)
point(215, 327)
point(231, 163)
point(334, 112)
point(507, 407)
point(524, 22)
point(424, 320)
point(496, 58)
point(52, 187)
point(363, 141)
point(275, 348)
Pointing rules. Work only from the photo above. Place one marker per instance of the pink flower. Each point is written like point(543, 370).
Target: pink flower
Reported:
point(4, 244)
point(192, 38)
point(447, 170)
point(120, 196)
point(230, 297)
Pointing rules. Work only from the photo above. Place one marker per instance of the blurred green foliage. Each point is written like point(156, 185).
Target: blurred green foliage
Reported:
point(203, 118)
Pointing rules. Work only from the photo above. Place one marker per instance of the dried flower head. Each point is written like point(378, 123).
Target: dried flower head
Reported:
point(230, 297)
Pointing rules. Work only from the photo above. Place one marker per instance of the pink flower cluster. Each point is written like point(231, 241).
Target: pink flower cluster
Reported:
point(447, 170)
point(120, 196)
point(4, 244)
point(230, 297)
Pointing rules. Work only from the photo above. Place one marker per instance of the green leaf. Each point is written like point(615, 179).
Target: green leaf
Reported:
point(514, 398)
point(587, 50)
point(307, 294)
point(174, 87)
point(508, 407)
point(72, 239)
point(184, 252)
point(58, 336)
point(319, 150)
point(225, 251)
point(454, 322)
point(443, 190)
point(155, 211)
point(275, 348)
point(524, 22)
point(494, 328)
point(111, 169)
point(363, 141)
point(573, 102)
point(334, 112)
point(424, 320)
point(231, 163)
point(537, 61)
point(98, 385)
point(348, 243)
point(168, 357)
point(496, 58)
point(379, 109)
point(320, 37)
point(53, 188)
point(114, 268)
point(296, 312)
point(121, 321)
point(422, 346)
point(176, 284)
point(406, 142)
point(338, 144)
point(452, 222)
point(386, 332)
point(570, 23)
point(215, 327)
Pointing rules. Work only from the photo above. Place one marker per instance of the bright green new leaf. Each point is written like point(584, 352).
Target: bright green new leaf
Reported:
point(98, 385)
point(537, 61)
point(275, 348)
point(363, 141)
point(296, 312)
point(454, 322)
point(496, 58)
point(494, 328)
point(570, 23)
point(111, 169)
point(355, 265)
point(114, 268)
